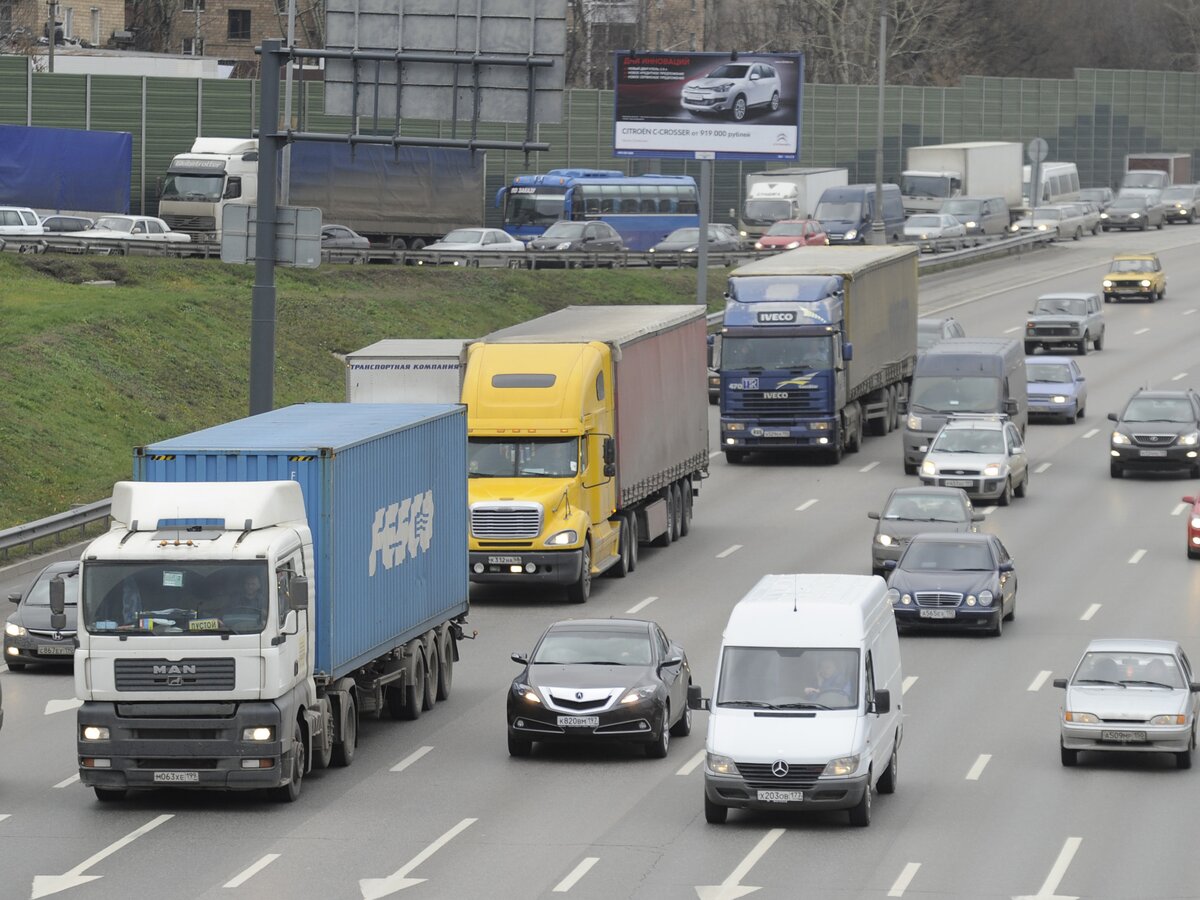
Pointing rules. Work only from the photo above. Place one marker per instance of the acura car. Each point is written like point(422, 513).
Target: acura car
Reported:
point(1157, 430)
point(28, 636)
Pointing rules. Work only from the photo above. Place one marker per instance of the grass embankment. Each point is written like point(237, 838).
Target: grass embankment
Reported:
point(88, 372)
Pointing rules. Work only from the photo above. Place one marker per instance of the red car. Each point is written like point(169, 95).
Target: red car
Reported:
point(1193, 528)
point(789, 234)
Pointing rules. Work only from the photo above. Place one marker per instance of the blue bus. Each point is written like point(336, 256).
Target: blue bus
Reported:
point(644, 209)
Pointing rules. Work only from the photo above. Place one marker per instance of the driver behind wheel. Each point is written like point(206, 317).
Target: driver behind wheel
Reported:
point(830, 678)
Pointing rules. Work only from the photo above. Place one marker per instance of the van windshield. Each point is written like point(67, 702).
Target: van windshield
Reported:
point(955, 394)
point(838, 211)
point(789, 678)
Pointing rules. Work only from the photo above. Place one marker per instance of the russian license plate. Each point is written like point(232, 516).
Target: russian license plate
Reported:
point(578, 721)
point(176, 777)
point(1152, 453)
point(504, 560)
point(937, 613)
point(775, 433)
point(781, 796)
point(56, 650)
point(1123, 737)
point(958, 482)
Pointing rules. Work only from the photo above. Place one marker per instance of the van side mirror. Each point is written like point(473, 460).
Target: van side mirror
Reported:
point(1060, 682)
point(883, 703)
point(695, 701)
point(298, 593)
point(58, 603)
point(1010, 407)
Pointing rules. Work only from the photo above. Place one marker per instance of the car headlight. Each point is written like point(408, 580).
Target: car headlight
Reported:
point(992, 470)
point(906, 600)
point(1195, 521)
point(638, 694)
point(258, 733)
point(928, 467)
point(986, 598)
point(1135, 215)
point(971, 600)
point(843, 765)
point(1106, 283)
point(651, 250)
point(1015, 228)
point(722, 88)
point(851, 234)
point(1058, 398)
point(689, 249)
point(1104, 215)
point(1041, 228)
point(892, 596)
point(758, 245)
point(720, 765)
point(562, 538)
point(885, 540)
point(1030, 327)
point(924, 237)
point(1119, 438)
point(525, 692)
point(792, 246)
point(744, 233)
point(12, 629)
point(914, 422)
point(1081, 718)
point(565, 245)
point(1190, 440)
point(1169, 720)
point(972, 224)
point(1074, 329)
point(1144, 283)
point(94, 733)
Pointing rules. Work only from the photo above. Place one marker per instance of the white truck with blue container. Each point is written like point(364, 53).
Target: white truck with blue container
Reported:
point(264, 584)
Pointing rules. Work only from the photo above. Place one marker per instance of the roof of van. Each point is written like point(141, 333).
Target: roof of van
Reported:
point(951, 354)
point(804, 610)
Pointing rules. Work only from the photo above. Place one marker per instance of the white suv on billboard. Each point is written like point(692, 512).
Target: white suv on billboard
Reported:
point(733, 87)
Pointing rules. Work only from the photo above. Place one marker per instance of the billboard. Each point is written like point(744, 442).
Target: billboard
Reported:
point(708, 105)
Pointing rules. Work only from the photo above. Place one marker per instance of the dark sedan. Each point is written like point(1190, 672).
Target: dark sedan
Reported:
point(1157, 430)
point(721, 239)
point(600, 679)
point(913, 510)
point(28, 636)
point(963, 580)
point(587, 237)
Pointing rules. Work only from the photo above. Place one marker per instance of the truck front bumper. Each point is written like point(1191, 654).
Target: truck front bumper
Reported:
point(553, 567)
point(811, 434)
point(194, 745)
point(734, 792)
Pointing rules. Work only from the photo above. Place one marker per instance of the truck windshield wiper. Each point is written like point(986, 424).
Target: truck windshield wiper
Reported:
point(760, 704)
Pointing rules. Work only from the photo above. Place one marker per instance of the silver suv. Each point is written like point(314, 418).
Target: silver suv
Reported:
point(983, 455)
point(735, 88)
point(1058, 320)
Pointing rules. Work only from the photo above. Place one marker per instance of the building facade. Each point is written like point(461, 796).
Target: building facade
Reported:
point(231, 29)
point(94, 22)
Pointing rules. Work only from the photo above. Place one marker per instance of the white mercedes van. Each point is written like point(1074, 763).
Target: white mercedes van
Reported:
point(806, 711)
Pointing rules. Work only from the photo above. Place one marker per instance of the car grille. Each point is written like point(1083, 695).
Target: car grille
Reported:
point(759, 775)
point(1054, 330)
point(590, 704)
point(52, 635)
point(1155, 440)
point(809, 402)
point(937, 599)
point(945, 472)
point(191, 224)
point(506, 522)
point(174, 675)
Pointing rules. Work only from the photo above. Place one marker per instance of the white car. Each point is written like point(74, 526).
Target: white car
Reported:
point(982, 454)
point(935, 231)
point(734, 87)
point(18, 221)
point(135, 228)
point(471, 241)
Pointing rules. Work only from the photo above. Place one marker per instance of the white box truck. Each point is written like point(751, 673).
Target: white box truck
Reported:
point(938, 172)
point(406, 371)
point(781, 194)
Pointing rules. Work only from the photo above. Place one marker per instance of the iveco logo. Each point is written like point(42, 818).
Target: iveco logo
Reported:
point(174, 670)
point(775, 395)
point(784, 317)
point(779, 768)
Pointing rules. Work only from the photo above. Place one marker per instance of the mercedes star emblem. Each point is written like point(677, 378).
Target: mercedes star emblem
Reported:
point(779, 768)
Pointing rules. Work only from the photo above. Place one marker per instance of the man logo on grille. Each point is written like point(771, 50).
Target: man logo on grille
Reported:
point(779, 768)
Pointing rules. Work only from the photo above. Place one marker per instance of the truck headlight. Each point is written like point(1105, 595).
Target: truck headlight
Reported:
point(720, 765)
point(1190, 440)
point(851, 234)
point(526, 692)
point(94, 733)
point(843, 765)
point(258, 733)
point(1081, 718)
point(991, 470)
point(12, 629)
point(1119, 438)
point(562, 538)
point(928, 467)
point(914, 422)
point(1169, 720)
point(885, 540)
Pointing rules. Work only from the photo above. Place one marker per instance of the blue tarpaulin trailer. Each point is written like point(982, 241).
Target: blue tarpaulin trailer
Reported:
point(65, 169)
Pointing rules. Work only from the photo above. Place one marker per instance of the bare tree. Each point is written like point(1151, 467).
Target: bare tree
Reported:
point(150, 21)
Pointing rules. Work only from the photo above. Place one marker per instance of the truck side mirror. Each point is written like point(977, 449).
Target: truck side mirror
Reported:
point(883, 702)
point(694, 700)
point(58, 603)
point(610, 453)
point(847, 351)
point(298, 594)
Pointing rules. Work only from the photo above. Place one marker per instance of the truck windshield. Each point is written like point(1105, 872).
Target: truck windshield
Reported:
point(924, 185)
point(155, 597)
point(534, 206)
point(767, 210)
point(838, 211)
point(789, 678)
point(542, 458)
point(956, 394)
point(193, 187)
point(776, 353)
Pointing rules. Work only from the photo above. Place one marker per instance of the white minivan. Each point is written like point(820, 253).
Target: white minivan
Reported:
point(806, 711)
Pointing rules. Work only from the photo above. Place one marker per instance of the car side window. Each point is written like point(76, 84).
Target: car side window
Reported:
point(664, 645)
point(1187, 665)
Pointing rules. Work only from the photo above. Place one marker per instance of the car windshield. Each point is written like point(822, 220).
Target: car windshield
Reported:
point(1131, 265)
point(686, 236)
point(1047, 215)
point(463, 236)
point(925, 221)
point(157, 598)
point(925, 508)
point(1129, 669)
point(786, 229)
point(779, 354)
point(1067, 306)
point(789, 678)
point(1048, 373)
point(1129, 202)
point(947, 556)
point(1159, 409)
point(540, 458)
point(969, 440)
point(561, 647)
point(114, 223)
point(951, 394)
point(838, 211)
point(1178, 193)
point(568, 231)
point(924, 185)
point(728, 72)
point(205, 188)
point(39, 594)
point(1097, 194)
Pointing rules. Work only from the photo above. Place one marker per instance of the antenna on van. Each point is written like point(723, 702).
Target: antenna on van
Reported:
point(795, 594)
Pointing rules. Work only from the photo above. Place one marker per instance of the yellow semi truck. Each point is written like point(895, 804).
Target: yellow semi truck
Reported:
point(588, 435)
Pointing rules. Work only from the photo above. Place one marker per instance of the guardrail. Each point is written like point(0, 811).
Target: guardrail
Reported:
point(52, 526)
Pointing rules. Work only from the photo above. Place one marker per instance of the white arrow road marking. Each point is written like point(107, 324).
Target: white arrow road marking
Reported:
point(45, 885)
point(1141, 331)
point(980, 765)
point(1137, 557)
point(908, 682)
point(578, 872)
point(1179, 510)
point(729, 889)
point(67, 782)
point(807, 504)
point(1050, 885)
point(374, 888)
point(1089, 612)
point(1090, 434)
point(1042, 468)
point(410, 759)
point(690, 766)
point(241, 878)
point(57, 706)
point(638, 607)
point(1036, 684)
point(1179, 377)
point(728, 550)
point(869, 466)
point(4, 816)
point(900, 885)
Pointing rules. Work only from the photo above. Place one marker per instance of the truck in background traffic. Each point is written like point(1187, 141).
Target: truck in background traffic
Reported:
point(817, 346)
point(1176, 168)
point(65, 170)
point(264, 584)
point(403, 370)
point(780, 194)
point(588, 435)
point(939, 172)
point(402, 199)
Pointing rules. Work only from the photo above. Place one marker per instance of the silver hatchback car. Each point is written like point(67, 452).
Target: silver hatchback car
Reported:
point(982, 454)
point(734, 88)
point(1130, 696)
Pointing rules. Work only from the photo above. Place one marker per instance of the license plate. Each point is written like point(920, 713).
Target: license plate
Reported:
point(1152, 453)
point(937, 613)
point(55, 650)
point(504, 560)
point(958, 482)
point(578, 721)
point(775, 433)
point(176, 777)
point(781, 796)
point(1123, 737)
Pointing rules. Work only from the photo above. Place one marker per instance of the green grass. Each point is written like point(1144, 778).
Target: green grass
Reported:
point(88, 372)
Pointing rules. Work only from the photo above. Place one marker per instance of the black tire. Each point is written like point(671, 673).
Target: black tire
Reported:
point(677, 505)
point(910, 468)
point(1082, 346)
point(110, 795)
point(734, 457)
point(887, 781)
point(1098, 343)
point(414, 691)
point(634, 546)
point(1069, 757)
point(664, 539)
point(1005, 498)
point(1183, 760)
point(582, 589)
point(1078, 233)
point(659, 748)
point(714, 813)
point(997, 630)
point(1030, 349)
point(739, 108)
point(685, 521)
point(860, 813)
point(854, 437)
point(429, 694)
point(774, 101)
point(343, 750)
point(290, 792)
point(622, 567)
point(519, 746)
point(1115, 470)
point(445, 679)
point(683, 727)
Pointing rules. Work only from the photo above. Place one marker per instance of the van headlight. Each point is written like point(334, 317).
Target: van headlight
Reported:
point(842, 766)
point(563, 538)
point(914, 422)
point(720, 765)
point(851, 234)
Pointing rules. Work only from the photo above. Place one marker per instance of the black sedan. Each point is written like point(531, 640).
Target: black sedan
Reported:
point(587, 237)
point(965, 580)
point(28, 636)
point(600, 679)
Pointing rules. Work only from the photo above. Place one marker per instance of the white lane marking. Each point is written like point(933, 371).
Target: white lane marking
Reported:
point(1014, 328)
point(987, 510)
point(690, 766)
point(903, 880)
point(1181, 508)
point(57, 706)
point(374, 888)
point(1057, 871)
point(1090, 434)
point(44, 885)
point(980, 765)
point(1089, 612)
point(908, 682)
point(1179, 377)
point(247, 874)
point(1137, 557)
point(1036, 684)
point(67, 782)
point(715, 453)
point(410, 759)
point(578, 872)
point(729, 550)
point(1141, 331)
point(4, 816)
point(807, 504)
point(730, 887)
point(1188, 312)
point(869, 466)
point(1042, 468)
point(638, 607)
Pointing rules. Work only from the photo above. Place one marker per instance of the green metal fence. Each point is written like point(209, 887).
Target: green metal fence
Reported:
point(1093, 120)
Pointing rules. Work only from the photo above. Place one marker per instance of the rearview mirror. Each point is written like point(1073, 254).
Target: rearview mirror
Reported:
point(847, 351)
point(58, 594)
point(883, 703)
point(1112, 417)
point(889, 563)
point(1010, 407)
point(522, 658)
point(694, 700)
point(872, 515)
point(667, 663)
point(298, 593)
point(14, 598)
point(1191, 500)
point(977, 517)
point(1059, 682)
point(1005, 567)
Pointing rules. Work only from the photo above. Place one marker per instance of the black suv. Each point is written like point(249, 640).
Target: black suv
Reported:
point(1157, 430)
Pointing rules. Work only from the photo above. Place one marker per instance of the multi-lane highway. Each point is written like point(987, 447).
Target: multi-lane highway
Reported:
point(436, 808)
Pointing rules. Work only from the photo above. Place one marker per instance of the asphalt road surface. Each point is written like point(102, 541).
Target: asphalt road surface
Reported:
point(437, 809)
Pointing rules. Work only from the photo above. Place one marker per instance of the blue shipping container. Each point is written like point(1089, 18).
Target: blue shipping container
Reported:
point(385, 490)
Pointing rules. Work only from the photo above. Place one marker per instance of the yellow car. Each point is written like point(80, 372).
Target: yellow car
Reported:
point(1135, 275)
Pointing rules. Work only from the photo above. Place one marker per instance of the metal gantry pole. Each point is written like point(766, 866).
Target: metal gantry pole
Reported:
point(262, 311)
point(706, 173)
point(285, 181)
point(877, 235)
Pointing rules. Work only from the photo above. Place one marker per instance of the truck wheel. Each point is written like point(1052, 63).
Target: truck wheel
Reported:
point(714, 814)
point(854, 437)
point(621, 569)
point(429, 693)
point(582, 589)
point(414, 690)
point(631, 520)
point(445, 651)
point(685, 520)
point(860, 813)
point(290, 792)
point(343, 750)
point(664, 539)
point(677, 505)
point(109, 795)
